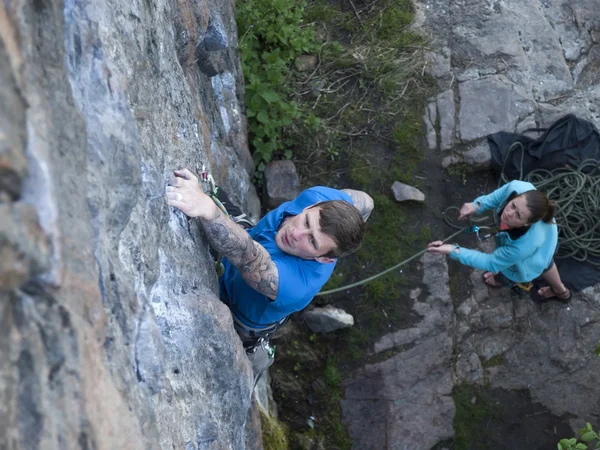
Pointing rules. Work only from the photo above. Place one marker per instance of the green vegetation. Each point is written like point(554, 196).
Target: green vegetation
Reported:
point(368, 74)
point(391, 238)
point(335, 433)
point(271, 37)
point(587, 437)
point(459, 170)
point(274, 434)
point(473, 407)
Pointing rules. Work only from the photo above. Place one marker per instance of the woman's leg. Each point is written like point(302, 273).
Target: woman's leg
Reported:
point(555, 287)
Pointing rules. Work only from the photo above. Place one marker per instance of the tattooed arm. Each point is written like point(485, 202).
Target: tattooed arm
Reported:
point(249, 257)
point(225, 236)
point(363, 202)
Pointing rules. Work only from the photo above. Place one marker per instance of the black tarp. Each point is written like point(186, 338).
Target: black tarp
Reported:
point(566, 143)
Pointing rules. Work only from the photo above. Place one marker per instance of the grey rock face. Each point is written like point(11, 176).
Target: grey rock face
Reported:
point(490, 105)
point(281, 183)
point(439, 62)
point(405, 401)
point(327, 319)
point(532, 344)
point(13, 163)
point(111, 335)
point(514, 62)
point(403, 192)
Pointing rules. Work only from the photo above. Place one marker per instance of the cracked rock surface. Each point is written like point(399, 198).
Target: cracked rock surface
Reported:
point(509, 66)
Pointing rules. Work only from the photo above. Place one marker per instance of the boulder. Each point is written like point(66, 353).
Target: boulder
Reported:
point(306, 63)
point(327, 319)
point(403, 192)
point(281, 183)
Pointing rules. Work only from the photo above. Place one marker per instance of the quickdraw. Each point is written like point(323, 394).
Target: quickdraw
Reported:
point(475, 230)
point(208, 179)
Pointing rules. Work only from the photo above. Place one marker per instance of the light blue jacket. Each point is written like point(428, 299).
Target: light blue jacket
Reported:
point(519, 260)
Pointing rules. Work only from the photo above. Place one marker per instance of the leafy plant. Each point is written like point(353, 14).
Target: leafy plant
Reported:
point(586, 436)
point(272, 36)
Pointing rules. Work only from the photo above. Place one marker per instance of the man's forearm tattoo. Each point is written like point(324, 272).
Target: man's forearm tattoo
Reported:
point(249, 257)
point(362, 201)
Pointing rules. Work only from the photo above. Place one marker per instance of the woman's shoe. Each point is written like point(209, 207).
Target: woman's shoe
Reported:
point(546, 294)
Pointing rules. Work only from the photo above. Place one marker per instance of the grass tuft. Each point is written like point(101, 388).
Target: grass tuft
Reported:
point(274, 433)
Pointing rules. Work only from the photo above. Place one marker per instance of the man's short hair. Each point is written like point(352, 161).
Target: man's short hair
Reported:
point(342, 222)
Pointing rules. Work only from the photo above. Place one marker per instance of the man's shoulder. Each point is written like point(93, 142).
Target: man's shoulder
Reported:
point(317, 194)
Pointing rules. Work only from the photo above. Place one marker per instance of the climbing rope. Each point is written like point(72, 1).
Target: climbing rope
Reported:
point(577, 196)
point(576, 192)
point(400, 264)
point(475, 227)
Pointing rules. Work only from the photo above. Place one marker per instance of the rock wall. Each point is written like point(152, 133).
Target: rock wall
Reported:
point(508, 66)
point(111, 335)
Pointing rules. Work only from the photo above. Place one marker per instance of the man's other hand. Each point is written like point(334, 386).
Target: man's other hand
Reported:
point(185, 193)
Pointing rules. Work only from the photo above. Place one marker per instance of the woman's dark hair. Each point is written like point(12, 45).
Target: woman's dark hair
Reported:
point(540, 207)
point(343, 223)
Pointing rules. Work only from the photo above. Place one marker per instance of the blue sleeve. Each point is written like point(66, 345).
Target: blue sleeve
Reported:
point(502, 258)
point(495, 199)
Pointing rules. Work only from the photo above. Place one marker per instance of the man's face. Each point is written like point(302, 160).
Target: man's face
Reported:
point(516, 214)
point(301, 236)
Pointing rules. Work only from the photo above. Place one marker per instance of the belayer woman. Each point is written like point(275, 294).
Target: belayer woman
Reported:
point(525, 244)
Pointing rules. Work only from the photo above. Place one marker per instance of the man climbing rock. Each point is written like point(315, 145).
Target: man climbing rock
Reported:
point(276, 267)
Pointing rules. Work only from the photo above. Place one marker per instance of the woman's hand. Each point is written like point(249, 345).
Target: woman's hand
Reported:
point(439, 248)
point(468, 209)
point(185, 194)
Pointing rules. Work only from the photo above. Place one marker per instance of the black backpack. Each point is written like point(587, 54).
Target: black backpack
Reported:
point(566, 143)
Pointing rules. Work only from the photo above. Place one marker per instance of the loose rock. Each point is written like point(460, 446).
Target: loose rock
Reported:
point(281, 183)
point(327, 319)
point(306, 63)
point(403, 192)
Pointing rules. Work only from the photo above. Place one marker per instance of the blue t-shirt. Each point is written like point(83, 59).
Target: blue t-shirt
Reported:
point(299, 279)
